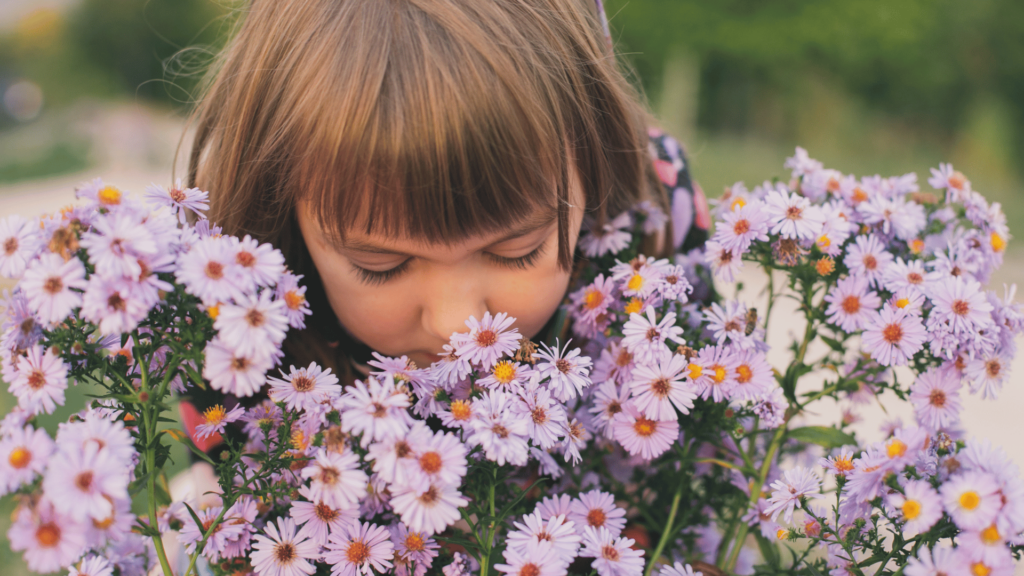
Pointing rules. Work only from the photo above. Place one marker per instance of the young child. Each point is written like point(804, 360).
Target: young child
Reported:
point(423, 161)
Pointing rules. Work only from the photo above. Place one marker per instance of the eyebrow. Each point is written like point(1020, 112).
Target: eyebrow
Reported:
point(531, 226)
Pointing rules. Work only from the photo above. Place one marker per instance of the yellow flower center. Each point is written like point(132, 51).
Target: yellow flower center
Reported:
point(824, 242)
point(213, 311)
point(737, 203)
point(461, 410)
point(745, 374)
point(980, 569)
point(911, 509)
point(634, 306)
point(970, 500)
point(917, 245)
point(636, 282)
point(902, 302)
point(109, 196)
point(504, 372)
point(782, 534)
point(896, 448)
point(991, 535)
point(414, 542)
point(719, 376)
point(695, 371)
point(593, 299)
point(20, 457)
point(998, 243)
point(214, 415)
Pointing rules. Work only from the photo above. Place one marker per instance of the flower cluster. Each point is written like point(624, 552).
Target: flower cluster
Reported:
point(647, 434)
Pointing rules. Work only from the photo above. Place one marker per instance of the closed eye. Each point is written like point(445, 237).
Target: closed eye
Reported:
point(521, 262)
point(378, 277)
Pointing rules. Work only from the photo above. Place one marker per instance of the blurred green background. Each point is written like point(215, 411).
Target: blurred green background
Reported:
point(101, 87)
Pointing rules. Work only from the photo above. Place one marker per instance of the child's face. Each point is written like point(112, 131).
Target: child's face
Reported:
point(403, 296)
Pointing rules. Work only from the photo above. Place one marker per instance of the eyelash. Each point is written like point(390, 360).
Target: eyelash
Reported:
point(376, 278)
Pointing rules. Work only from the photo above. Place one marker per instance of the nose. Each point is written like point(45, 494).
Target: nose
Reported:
point(449, 298)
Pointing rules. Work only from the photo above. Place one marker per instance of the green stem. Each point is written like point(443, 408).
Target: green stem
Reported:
point(771, 300)
point(150, 423)
point(666, 534)
point(755, 495)
point(485, 565)
point(206, 536)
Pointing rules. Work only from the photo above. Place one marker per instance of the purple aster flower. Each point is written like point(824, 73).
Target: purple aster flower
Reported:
point(660, 388)
point(610, 238)
point(961, 303)
point(51, 286)
point(742, 226)
point(793, 216)
point(787, 492)
point(19, 243)
point(487, 340)
point(566, 370)
point(936, 399)
point(868, 258)
point(893, 336)
point(180, 199)
point(851, 304)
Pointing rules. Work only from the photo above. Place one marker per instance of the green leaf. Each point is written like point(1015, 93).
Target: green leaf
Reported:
point(833, 344)
point(195, 517)
point(184, 439)
point(822, 436)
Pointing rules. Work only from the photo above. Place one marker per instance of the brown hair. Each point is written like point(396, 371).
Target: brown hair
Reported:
point(437, 119)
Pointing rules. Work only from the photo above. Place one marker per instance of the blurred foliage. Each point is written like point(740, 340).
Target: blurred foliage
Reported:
point(923, 62)
point(154, 49)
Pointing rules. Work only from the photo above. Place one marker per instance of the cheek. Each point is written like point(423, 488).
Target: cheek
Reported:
point(532, 296)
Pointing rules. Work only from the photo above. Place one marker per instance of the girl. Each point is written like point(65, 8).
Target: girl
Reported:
point(423, 161)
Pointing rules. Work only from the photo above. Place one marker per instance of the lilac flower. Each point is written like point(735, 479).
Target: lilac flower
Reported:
point(640, 435)
point(116, 243)
point(361, 549)
point(609, 400)
point(674, 285)
point(179, 199)
point(498, 429)
point(893, 336)
point(336, 479)
point(208, 270)
point(539, 559)
point(919, 506)
point(289, 291)
point(787, 493)
point(659, 389)
point(566, 370)
point(593, 300)
point(613, 555)
point(792, 216)
point(256, 265)
point(729, 323)
point(936, 399)
point(428, 509)
point(304, 388)
point(116, 305)
point(41, 380)
point(545, 419)
point(51, 285)
point(953, 182)
point(376, 410)
point(972, 499)
point(610, 238)
point(742, 226)
point(680, 569)
point(725, 263)
point(754, 375)
point(961, 303)
point(84, 483)
point(228, 371)
point(557, 531)
point(596, 509)
point(50, 540)
point(987, 372)
point(771, 407)
point(713, 372)
point(24, 455)
point(256, 325)
point(283, 552)
point(19, 243)
point(415, 548)
point(645, 337)
point(868, 258)
point(216, 418)
point(487, 340)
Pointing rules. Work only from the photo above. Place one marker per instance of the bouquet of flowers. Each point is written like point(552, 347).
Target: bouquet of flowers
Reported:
point(663, 441)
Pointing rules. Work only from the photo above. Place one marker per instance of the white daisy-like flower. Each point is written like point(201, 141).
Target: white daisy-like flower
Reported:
point(280, 551)
point(304, 388)
point(725, 263)
point(429, 511)
point(972, 499)
point(52, 287)
point(936, 399)
point(99, 428)
point(566, 370)
point(293, 294)
point(42, 378)
point(613, 555)
point(92, 566)
point(645, 337)
point(508, 376)
point(234, 373)
point(754, 376)
point(23, 456)
point(793, 216)
point(116, 243)
point(488, 340)
point(919, 506)
point(851, 304)
point(439, 457)
point(336, 479)
point(116, 305)
point(659, 389)
point(742, 226)
point(208, 270)
point(909, 275)
point(540, 559)
point(557, 531)
point(255, 325)
point(867, 257)
point(787, 492)
point(256, 264)
point(216, 418)
point(640, 435)
point(545, 418)
point(961, 303)
point(499, 429)
point(82, 484)
point(413, 548)
point(610, 238)
point(19, 243)
point(609, 399)
point(987, 373)
point(50, 540)
point(596, 509)
point(678, 569)
point(376, 410)
point(180, 199)
point(893, 336)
